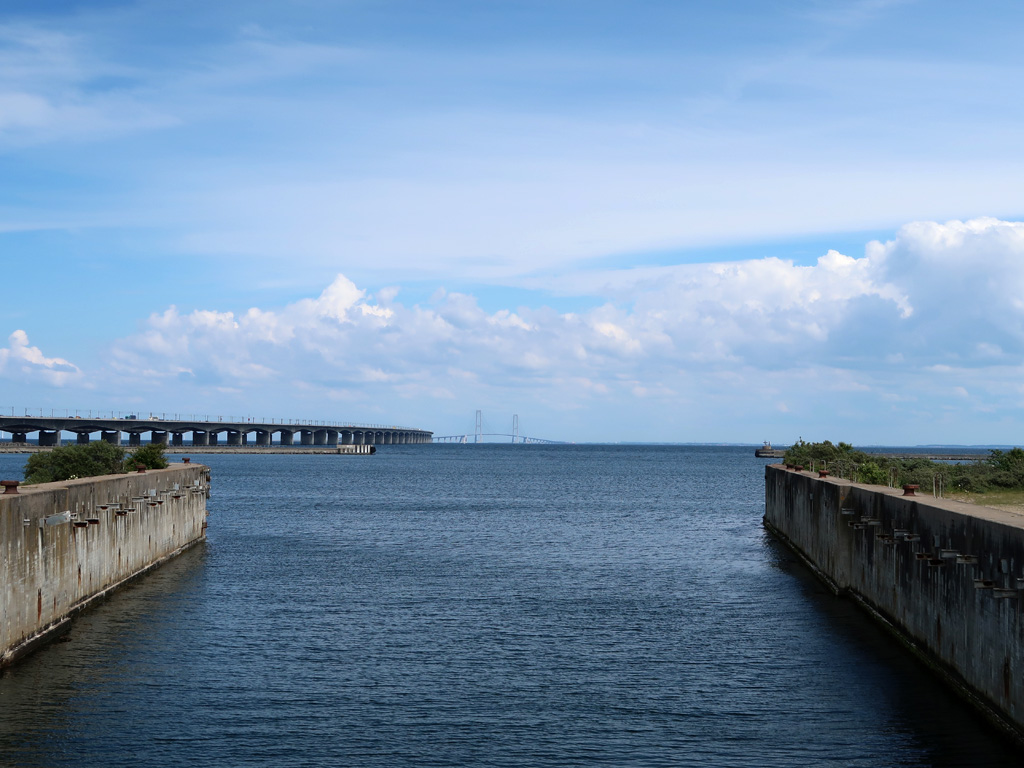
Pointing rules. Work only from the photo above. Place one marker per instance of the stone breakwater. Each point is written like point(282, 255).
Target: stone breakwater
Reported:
point(946, 577)
point(68, 544)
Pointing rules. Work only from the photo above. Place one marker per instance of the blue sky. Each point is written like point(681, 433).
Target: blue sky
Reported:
point(665, 221)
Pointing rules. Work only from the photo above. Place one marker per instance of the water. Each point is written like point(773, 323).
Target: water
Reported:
point(483, 606)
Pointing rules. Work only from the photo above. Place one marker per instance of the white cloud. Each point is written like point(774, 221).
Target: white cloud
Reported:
point(20, 360)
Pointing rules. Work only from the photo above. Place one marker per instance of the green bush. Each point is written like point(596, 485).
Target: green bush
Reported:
point(152, 456)
point(71, 461)
point(802, 454)
point(1008, 468)
point(999, 470)
point(872, 474)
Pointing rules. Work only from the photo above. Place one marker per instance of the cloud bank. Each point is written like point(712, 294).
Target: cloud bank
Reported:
point(931, 320)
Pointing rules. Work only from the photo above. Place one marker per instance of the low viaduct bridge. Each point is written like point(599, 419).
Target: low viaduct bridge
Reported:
point(232, 432)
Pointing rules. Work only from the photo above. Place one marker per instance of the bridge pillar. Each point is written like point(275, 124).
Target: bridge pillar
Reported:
point(332, 437)
point(114, 437)
point(19, 437)
point(211, 438)
point(134, 439)
point(177, 438)
point(234, 437)
point(82, 438)
point(320, 437)
point(200, 437)
point(287, 437)
point(346, 437)
point(158, 437)
point(47, 437)
point(262, 437)
point(306, 437)
point(368, 437)
point(389, 438)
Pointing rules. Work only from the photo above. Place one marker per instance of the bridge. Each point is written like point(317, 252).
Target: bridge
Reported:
point(479, 433)
point(233, 431)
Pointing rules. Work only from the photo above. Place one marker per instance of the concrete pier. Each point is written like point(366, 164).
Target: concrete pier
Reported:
point(946, 577)
point(68, 544)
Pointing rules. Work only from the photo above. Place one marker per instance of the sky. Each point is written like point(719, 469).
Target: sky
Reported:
point(654, 220)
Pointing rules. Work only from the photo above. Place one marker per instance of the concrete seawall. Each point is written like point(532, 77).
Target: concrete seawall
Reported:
point(946, 577)
point(65, 545)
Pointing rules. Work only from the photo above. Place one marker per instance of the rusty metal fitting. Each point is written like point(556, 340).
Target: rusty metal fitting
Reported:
point(10, 486)
point(799, 467)
point(185, 460)
point(822, 473)
point(140, 468)
point(908, 490)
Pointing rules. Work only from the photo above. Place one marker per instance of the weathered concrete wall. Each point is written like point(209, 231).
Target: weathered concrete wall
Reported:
point(945, 576)
point(63, 545)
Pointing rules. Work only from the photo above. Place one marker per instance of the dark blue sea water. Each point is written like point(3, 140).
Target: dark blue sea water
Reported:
point(483, 606)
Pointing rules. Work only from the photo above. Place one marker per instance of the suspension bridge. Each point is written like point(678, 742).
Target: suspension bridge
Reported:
point(478, 435)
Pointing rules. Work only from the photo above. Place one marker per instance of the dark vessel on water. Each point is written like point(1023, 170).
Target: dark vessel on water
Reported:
point(767, 452)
